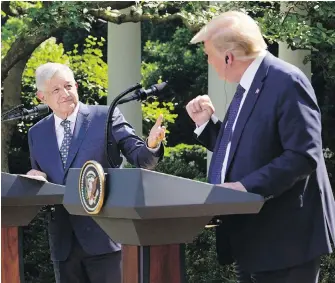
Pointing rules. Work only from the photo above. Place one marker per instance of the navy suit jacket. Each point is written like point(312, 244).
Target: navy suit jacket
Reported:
point(276, 152)
point(88, 143)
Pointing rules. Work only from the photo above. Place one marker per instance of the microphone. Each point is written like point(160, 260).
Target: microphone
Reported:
point(112, 149)
point(142, 94)
point(22, 113)
point(38, 110)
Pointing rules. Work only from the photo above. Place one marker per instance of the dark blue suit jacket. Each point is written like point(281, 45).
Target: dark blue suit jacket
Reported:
point(276, 152)
point(87, 144)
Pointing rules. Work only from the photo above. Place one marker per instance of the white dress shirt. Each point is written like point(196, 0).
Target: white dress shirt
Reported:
point(72, 118)
point(245, 82)
point(60, 129)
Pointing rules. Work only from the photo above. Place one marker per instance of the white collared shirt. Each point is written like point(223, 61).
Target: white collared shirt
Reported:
point(60, 129)
point(72, 118)
point(245, 82)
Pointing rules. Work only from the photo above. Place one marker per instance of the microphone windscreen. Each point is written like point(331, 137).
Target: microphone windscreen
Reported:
point(160, 86)
point(42, 109)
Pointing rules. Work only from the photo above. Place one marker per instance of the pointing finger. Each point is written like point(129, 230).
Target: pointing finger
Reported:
point(159, 120)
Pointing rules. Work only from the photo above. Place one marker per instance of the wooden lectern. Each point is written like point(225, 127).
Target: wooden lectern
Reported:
point(21, 200)
point(150, 213)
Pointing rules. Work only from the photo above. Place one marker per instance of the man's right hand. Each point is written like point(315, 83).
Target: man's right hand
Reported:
point(200, 109)
point(34, 172)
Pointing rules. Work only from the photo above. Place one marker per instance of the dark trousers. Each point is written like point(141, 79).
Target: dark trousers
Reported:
point(304, 273)
point(83, 268)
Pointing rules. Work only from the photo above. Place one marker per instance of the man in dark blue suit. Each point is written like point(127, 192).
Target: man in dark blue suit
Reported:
point(269, 144)
point(81, 251)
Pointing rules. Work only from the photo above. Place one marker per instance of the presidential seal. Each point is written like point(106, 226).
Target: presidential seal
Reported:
point(92, 187)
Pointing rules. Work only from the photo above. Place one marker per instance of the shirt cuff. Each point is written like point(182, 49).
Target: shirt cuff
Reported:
point(153, 150)
point(199, 129)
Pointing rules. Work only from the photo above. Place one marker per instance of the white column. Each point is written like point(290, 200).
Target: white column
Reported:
point(221, 94)
point(295, 57)
point(124, 67)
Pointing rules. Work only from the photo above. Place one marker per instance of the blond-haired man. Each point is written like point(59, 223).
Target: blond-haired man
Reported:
point(269, 143)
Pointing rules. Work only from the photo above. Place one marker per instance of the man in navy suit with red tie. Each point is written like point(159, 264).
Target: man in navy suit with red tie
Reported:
point(269, 144)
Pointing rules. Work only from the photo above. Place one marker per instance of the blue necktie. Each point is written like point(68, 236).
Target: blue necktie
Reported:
point(224, 137)
point(64, 149)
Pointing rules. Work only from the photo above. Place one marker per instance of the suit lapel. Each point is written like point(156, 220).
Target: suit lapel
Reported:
point(79, 133)
point(249, 104)
point(51, 147)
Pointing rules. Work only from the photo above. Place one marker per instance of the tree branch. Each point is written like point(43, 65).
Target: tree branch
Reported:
point(26, 43)
point(115, 5)
point(20, 49)
point(116, 17)
point(288, 12)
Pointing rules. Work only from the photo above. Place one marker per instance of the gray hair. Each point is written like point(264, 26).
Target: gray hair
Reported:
point(46, 71)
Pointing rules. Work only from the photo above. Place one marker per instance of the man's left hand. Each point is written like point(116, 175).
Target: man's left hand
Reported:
point(157, 133)
point(237, 186)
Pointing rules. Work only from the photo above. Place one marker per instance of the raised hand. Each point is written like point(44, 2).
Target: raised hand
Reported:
point(200, 109)
point(157, 133)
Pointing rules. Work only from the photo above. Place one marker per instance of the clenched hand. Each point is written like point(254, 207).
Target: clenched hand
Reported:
point(200, 109)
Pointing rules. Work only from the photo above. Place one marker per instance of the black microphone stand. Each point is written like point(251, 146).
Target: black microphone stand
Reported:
point(12, 114)
point(19, 112)
point(112, 151)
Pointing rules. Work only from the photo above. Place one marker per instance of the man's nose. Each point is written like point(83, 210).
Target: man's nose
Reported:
point(65, 92)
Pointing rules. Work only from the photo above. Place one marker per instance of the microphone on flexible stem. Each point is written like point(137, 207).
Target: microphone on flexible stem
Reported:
point(19, 112)
point(143, 94)
point(112, 150)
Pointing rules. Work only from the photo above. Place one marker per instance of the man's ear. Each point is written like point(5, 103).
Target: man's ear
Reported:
point(76, 84)
point(230, 58)
point(40, 96)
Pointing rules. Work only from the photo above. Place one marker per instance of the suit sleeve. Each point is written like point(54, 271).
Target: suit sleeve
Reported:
point(33, 162)
point(132, 146)
point(208, 136)
point(299, 127)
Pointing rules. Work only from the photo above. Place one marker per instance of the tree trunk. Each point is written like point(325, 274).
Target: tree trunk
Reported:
point(11, 98)
point(10, 236)
point(22, 48)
